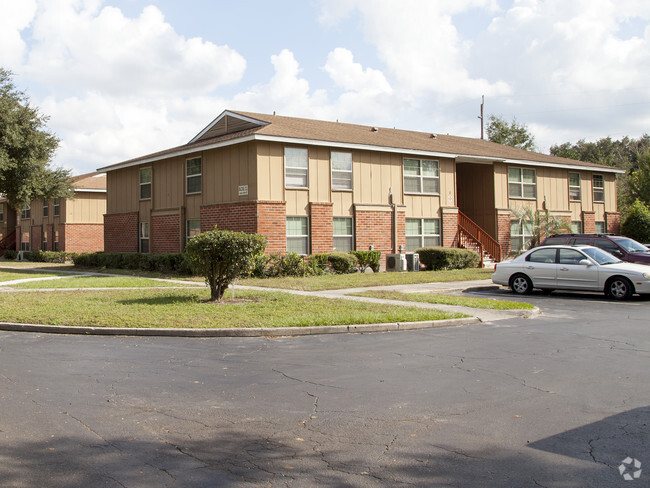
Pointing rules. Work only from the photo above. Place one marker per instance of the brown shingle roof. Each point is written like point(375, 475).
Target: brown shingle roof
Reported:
point(90, 181)
point(367, 137)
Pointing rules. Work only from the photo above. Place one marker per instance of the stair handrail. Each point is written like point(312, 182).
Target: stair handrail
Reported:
point(488, 243)
point(465, 234)
point(7, 240)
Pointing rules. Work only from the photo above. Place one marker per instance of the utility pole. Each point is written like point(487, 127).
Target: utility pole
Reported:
point(481, 116)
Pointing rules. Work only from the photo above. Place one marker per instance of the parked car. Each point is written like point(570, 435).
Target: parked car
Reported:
point(586, 268)
point(623, 248)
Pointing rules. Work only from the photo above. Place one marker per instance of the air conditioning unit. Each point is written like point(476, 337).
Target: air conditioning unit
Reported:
point(413, 261)
point(395, 262)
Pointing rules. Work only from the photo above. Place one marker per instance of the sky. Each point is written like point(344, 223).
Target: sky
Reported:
point(120, 79)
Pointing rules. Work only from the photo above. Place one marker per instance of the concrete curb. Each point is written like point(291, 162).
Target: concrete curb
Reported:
point(238, 332)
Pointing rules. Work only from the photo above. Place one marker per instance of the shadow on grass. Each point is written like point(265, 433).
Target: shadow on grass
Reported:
point(165, 299)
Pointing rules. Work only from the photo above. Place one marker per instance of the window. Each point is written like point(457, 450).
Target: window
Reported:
point(343, 234)
point(520, 234)
point(296, 167)
point(297, 235)
point(522, 183)
point(600, 228)
point(55, 245)
point(25, 212)
point(193, 175)
point(192, 228)
point(57, 207)
point(542, 256)
point(144, 237)
point(2, 213)
point(422, 233)
point(574, 186)
point(341, 171)
point(24, 242)
point(599, 188)
point(145, 183)
point(44, 245)
point(46, 208)
point(421, 176)
point(576, 227)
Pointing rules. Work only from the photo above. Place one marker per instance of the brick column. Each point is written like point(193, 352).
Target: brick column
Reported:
point(165, 232)
point(120, 233)
point(613, 222)
point(504, 216)
point(36, 237)
point(374, 227)
point(322, 227)
point(449, 226)
point(82, 237)
point(271, 221)
point(589, 221)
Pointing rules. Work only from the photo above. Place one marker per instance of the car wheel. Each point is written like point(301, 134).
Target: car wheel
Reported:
point(521, 284)
point(619, 288)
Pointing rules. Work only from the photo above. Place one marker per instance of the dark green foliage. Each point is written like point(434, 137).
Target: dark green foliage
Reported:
point(173, 263)
point(440, 258)
point(222, 256)
point(368, 259)
point(49, 256)
point(10, 254)
point(637, 223)
point(342, 262)
point(26, 149)
point(513, 134)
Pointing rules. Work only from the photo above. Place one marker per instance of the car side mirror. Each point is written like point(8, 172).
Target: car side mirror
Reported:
point(617, 253)
point(585, 262)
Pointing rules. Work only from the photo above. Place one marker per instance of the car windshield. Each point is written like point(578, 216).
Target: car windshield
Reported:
point(600, 256)
point(630, 245)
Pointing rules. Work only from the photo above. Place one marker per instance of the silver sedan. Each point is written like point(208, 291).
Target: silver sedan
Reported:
point(584, 268)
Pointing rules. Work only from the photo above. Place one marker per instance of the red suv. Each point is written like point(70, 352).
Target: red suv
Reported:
point(623, 248)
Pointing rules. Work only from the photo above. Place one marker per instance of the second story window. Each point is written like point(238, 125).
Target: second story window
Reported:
point(574, 186)
point(145, 183)
point(421, 176)
point(193, 176)
point(341, 171)
point(522, 183)
point(57, 207)
point(46, 208)
point(599, 188)
point(296, 167)
point(25, 212)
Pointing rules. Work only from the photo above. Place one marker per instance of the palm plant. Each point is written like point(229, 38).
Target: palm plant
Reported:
point(537, 225)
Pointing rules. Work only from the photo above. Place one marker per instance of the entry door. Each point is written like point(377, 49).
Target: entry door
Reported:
point(541, 268)
point(571, 274)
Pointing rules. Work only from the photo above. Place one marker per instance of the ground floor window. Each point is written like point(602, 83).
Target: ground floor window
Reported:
point(44, 246)
point(192, 228)
point(600, 228)
point(144, 237)
point(576, 226)
point(298, 235)
point(422, 233)
point(55, 244)
point(520, 235)
point(343, 234)
point(24, 242)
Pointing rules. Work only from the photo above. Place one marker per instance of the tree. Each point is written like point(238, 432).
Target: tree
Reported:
point(638, 179)
point(26, 149)
point(539, 225)
point(511, 134)
point(222, 256)
point(637, 223)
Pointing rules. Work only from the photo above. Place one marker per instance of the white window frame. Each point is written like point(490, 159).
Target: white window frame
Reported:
point(57, 207)
point(423, 177)
point(293, 171)
point(25, 245)
point(517, 187)
point(144, 236)
point(598, 190)
point(55, 242)
point(46, 208)
point(25, 211)
point(145, 184)
point(576, 227)
point(603, 226)
point(347, 238)
point(575, 192)
point(424, 238)
point(341, 164)
point(524, 234)
point(193, 176)
point(187, 229)
point(302, 238)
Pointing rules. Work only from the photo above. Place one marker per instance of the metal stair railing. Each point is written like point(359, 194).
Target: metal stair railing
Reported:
point(487, 242)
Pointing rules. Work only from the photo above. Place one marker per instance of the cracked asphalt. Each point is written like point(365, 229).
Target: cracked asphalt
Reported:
point(555, 401)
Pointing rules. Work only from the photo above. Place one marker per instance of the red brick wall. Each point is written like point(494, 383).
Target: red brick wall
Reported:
point(503, 231)
point(50, 237)
point(239, 217)
point(36, 235)
point(272, 222)
point(120, 232)
point(589, 222)
point(322, 227)
point(449, 227)
point(81, 237)
point(613, 222)
point(165, 233)
point(375, 228)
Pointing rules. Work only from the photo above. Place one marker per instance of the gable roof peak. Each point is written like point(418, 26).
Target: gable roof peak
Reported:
point(228, 122)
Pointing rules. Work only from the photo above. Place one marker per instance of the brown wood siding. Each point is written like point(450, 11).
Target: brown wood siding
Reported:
point(86, 208)
point(123, 190)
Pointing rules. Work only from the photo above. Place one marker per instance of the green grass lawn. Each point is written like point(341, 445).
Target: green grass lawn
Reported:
point(358, 280)
point(99, 282)
point(187, 309)
point(488, 303)
point(22, 274)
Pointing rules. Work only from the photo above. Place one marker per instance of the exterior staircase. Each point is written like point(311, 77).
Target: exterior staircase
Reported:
point(471, 236)
point(8, 242)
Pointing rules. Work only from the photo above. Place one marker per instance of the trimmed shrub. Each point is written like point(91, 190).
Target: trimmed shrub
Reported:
point(439, 258)
point(637, 223)
point(367, 259)
point(172, 263)
point(342, 262)
point(10, 254)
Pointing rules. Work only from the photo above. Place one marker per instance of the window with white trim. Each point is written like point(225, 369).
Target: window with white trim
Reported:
point(46, 208)
point(25, 212)
point(520, 235)
point(599, 188)
point(192, 228)
point(298, 235)
point(422, 233)
point(576, 226)
point(57, 207)
point(421, 176)
point(55, 244)
point(144, 237)
point(341, 170)
point(522, 183)
point(574, 186)
point(24, 242)
point(193, 176)
point(296, 167)
point(343, 234)
point(145, 183)
point(601, 228)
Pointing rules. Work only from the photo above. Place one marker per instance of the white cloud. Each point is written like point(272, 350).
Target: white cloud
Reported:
point(15, 17)
point(351, 76)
